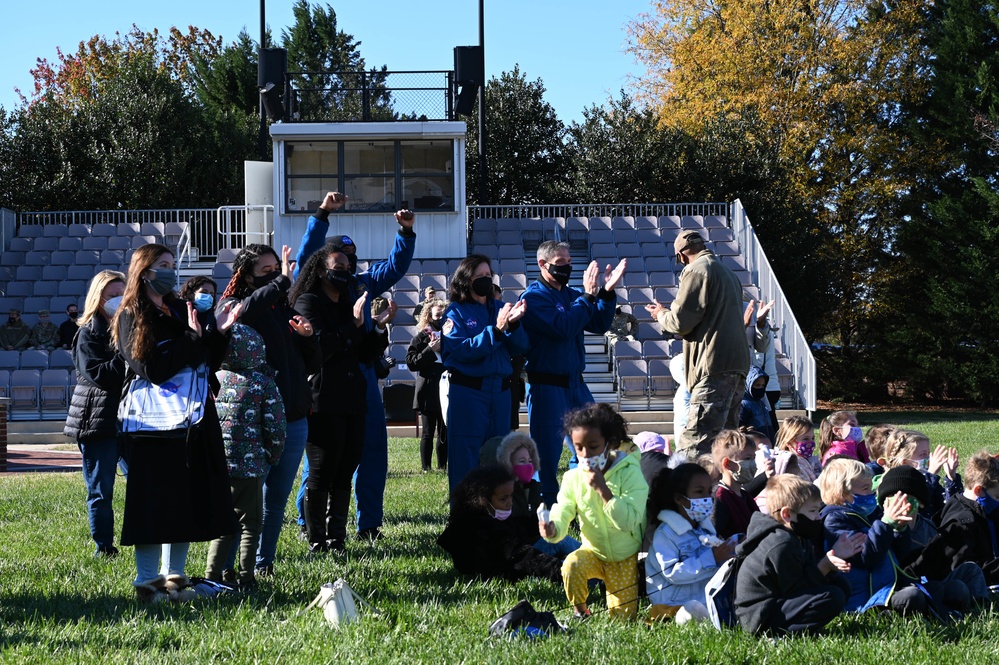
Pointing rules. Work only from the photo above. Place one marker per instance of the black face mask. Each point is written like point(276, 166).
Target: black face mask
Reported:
point(758, 393)
point(265, 279)
point(73, 315)
point(339, 279)
point(807, 528)
point(560, 274)
point(483, 286)
point(12, 320)
point(436, 323)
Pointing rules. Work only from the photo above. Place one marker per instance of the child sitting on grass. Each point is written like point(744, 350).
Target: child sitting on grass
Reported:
point(875, 441)
point(969, 521)
point(780, 587)
point(606, 492)
point(735, 457)
point(484, 539)
point(797, 435)
point(911, 448)
point(876, 579)
point(840, 435)
point(685, 550)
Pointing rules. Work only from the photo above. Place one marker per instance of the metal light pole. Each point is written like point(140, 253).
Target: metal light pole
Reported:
point(483, 176)
point(260, 98)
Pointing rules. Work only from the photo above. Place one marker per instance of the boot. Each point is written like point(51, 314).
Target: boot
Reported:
point(315, 516)
point(179, 588)
point(152, 592)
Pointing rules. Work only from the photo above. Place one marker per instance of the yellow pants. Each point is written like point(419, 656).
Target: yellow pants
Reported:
point(620, 578)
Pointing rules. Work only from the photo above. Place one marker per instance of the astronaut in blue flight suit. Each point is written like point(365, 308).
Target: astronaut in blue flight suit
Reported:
point(556, 317)
point(479, 335)
point(369, 480)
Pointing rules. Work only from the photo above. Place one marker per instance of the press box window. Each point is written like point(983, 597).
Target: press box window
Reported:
point(376, 176)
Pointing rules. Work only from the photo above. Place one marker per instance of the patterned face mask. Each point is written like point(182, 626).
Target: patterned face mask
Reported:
point(804, 448)
point(700, 509)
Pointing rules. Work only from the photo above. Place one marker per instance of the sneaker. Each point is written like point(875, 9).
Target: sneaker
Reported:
point(264, 571)
point(107, 552)
point(303, 533)
point(336, 546)
point(582, 616)
point(370, 535)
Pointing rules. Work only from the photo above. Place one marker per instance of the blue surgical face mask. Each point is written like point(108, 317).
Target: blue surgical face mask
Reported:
point(855, 434)
point(987, 503)
point(864, 504)
point(203, 301)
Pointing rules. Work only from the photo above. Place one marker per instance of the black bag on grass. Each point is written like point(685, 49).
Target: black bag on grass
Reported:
point(523, 619)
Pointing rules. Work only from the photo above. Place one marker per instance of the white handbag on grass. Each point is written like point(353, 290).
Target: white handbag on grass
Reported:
point(339, 603)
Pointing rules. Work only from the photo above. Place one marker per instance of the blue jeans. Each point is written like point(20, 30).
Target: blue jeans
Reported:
point(559, 550)
point(99, 461)
point(277, 489)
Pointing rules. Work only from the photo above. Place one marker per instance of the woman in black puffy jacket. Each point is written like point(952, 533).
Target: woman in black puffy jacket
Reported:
point(93, 410)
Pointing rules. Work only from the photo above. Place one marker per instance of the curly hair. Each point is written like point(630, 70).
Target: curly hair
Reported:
point(662, 494)
point(613, 427)
point(460, 288)
point(136, 302)
point(195, 283)
point(425, 312)
point(470, 497)
point(311, 274)
point(241, 283)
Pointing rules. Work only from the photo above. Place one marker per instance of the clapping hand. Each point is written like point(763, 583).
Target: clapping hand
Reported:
point(359, 305)
point(613, 277)
point(591, 277)
point(287, 265)
point(387, 315)
point(229, 315)
point(845, 547)
point(301, 325)
point(192, 319)
point(897, 510)
point(938, 459)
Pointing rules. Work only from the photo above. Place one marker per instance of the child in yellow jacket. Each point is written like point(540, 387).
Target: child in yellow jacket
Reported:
point(607, 493)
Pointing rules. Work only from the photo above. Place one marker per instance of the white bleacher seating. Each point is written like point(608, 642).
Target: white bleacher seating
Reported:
point(629, 251)
point(79, 230)
point(128, 229)
point(103, 230)
point(34, 359)
point(658, 264)
point(626, 349)
point(140, 240)
point(669, 222)
point(640, 295)
point(635, 276)
point(715, 222)
point(512, 280)
point(61, 359)
point(653, 250)
point(577, 232)
point(172, 233)
point(601, 236)
point(725, 248)
point(24, 393)
point(154, 229)
point(658, 279)
point(69, 244)
point(646, 222)
point(10, 360)
point(632, 377)
point(227, 255)
point(21, 245)
point(603, 251)
point(626, 222)
point(661, 383)
point(408, 283)
point(649, 330)
point(61, 258)
point(597, 223)
point(531, 233)
point(406, 300)
point(723, 234)
point(47, 288)
point(655, 348)
point(99, 243)
point(695, 222)
point(439, 282)
point(54, 391)
point(122, 243)
point(649, 235)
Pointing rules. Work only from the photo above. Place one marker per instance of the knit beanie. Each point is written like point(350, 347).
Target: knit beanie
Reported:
point(650, 441)
point(904, 479)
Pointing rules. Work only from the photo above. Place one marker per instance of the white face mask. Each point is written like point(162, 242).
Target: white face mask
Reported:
point(700, 508)
point(111, 305)
point(594, 463)
point(923, 465)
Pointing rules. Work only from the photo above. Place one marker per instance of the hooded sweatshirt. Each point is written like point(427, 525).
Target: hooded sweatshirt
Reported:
point(756, 412)
point(250, 407)
point(776, 565)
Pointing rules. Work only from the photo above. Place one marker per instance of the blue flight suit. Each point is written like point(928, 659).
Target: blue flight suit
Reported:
point(477, 357)
point(369, 479)
point(555, 320)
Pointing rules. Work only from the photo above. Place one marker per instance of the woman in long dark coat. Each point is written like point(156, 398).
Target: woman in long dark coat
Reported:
point(178, 486)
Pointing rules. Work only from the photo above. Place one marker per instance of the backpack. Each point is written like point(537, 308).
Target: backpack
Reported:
point(720, 594)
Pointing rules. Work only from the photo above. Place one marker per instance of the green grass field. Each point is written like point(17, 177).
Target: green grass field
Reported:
point(58, 604)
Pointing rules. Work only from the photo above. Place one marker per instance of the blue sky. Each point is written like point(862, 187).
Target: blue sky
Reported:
point(579, 49)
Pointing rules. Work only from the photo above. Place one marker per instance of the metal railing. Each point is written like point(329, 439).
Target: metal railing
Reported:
point(368, 96)
point(793, 341)
point(200, 241)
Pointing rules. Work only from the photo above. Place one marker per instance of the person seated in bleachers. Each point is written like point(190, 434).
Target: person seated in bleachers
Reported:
point(623, 326)
point(45, 334)
point(14, 334)
point(429, 293)
point(67, 331)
